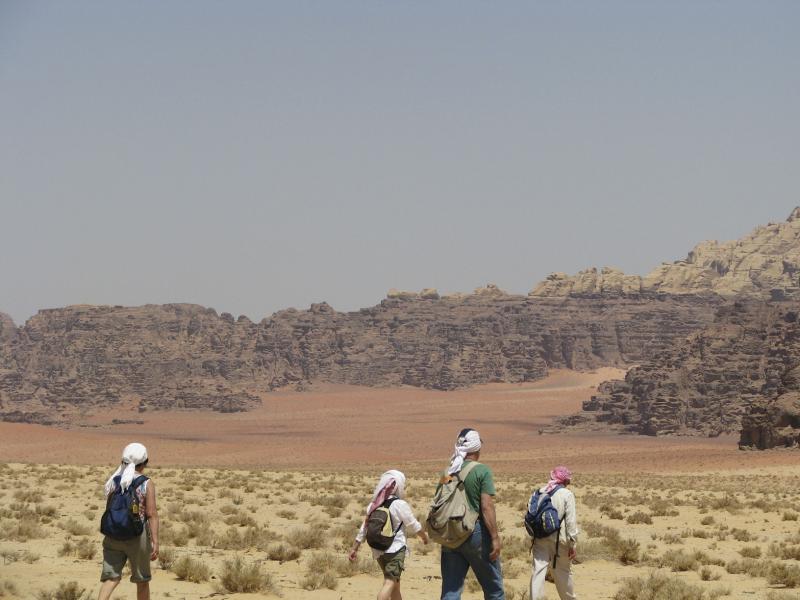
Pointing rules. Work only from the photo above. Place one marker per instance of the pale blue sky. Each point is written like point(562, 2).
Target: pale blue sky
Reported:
point(253, 156)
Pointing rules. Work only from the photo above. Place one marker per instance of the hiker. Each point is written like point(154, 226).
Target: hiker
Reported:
point(557, 549)
point(389, 520)
point(130, 534)
point(481, 550)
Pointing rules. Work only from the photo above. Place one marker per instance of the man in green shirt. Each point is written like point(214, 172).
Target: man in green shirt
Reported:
point(481, 551)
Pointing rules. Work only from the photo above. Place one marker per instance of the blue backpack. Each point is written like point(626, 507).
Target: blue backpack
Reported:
point(542, 519)
point(121, 520)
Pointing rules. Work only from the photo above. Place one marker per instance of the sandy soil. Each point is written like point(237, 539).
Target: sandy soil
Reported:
point(316, 456)
point(352, 427)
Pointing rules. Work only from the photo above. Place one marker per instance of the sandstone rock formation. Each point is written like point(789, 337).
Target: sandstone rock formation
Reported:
point(186, 356)
point(715, 336)
point(7, 328)
point(764, 263)
point(742, 373)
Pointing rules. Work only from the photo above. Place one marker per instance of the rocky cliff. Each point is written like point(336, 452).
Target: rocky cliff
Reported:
point(187, 356)
point(763, 264)
point(705, 383)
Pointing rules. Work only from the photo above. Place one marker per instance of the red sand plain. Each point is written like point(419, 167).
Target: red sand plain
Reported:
point(355, 428)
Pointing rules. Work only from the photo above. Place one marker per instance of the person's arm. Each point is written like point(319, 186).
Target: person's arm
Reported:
point(412, 525)
point(152, 517)
point(490, 521)
point(362, 533)
point(571, 523)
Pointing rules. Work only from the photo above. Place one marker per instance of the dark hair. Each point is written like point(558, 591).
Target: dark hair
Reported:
point(465, 431)
point(143, 464)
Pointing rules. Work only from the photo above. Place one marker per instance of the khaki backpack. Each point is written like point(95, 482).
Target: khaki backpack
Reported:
point(451, 519)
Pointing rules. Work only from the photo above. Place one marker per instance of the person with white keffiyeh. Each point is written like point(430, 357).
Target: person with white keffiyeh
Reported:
point(481, 551)
point(139, 550)
point(390, 494)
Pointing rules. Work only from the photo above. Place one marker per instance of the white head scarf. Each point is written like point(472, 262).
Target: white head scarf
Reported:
point(391, 483)
point(133, 454)
point(468, 441)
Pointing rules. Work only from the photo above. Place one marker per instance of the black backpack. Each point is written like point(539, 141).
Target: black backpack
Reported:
point(380, 531)
point(121, 520)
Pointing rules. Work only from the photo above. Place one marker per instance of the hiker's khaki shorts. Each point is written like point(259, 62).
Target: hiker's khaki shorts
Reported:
point(393, 564)
point(117, 552)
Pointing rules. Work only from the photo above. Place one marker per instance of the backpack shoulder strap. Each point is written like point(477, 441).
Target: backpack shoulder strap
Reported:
point(137, 482)
point(463, 473)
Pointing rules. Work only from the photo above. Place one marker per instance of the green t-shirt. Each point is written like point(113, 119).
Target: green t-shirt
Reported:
point(479, 481)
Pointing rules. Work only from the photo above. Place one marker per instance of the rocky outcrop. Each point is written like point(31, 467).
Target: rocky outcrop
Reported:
point(742, 373)
point(763, 264)
point(85, 357)
point(7, 328)
point(187, 356)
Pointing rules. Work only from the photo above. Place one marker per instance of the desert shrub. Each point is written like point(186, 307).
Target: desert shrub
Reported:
point(72, 527)
point(7, 588)
point(515, 547)
point(753, 568)
point(32, 496)
point(285, 513)
point(187, 568)
point(316, 580)
point(513, 593)
point(240, 576)
point(626, 551)
point(706, 574)
point(65, 591)
point(339, 565)
point(774, 595)
point(663, 508)
point(784, 551)
point(84, 548)
point(241, 519)
point(639, 518)
point(784, 574)
point(22, 530)
point(305, 538)
point(707, 520)
point(282, 552)
point(726, 502)
point(658, 587)
point(750, 552)
point(790, 515)
point(234, 538)
point(166, 557)
point(678, 561)
point(741, 535)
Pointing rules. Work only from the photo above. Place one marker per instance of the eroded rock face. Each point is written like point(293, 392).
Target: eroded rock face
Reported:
point(7, 328)
point(171, 356)
point(764, 263)
point(187, 356)
point(741, 373)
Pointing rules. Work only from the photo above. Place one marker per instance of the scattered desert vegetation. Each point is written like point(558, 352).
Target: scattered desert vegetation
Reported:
point(271, 534)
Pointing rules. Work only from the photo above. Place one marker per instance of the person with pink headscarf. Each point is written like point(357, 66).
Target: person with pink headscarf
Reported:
point(389, 493)
point(558, 549)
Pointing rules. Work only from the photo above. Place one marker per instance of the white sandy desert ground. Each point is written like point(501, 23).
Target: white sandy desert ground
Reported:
point(282, 488)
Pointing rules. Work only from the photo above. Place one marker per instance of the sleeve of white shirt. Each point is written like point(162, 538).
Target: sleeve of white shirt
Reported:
point(572, 519)
point(405, 513)
point(362, 532)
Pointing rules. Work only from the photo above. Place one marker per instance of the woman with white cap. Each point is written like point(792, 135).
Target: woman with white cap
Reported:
point(143, 548)
point(388, 496)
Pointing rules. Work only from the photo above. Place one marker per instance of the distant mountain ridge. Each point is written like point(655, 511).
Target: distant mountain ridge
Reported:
point(696, 327)
point(764, 263)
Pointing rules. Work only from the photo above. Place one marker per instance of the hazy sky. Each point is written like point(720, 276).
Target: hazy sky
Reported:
point(253, 156)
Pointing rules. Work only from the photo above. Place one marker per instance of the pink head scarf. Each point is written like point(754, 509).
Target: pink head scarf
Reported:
point(559, 476)
point(392, 483)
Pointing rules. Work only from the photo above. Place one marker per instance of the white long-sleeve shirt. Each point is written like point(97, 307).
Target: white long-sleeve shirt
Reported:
point(564, 502)
point(400, 512)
